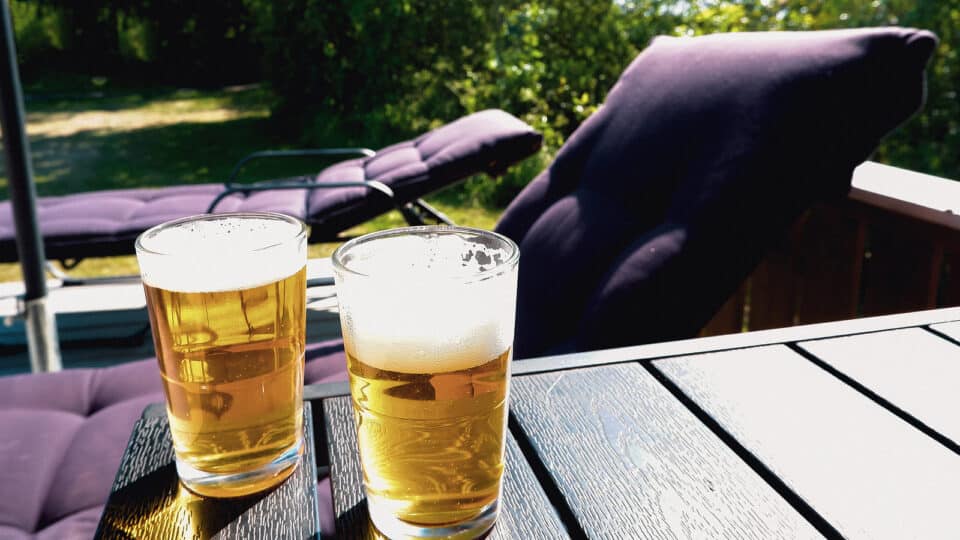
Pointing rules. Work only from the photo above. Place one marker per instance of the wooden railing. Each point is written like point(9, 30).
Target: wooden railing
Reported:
point(892, 246)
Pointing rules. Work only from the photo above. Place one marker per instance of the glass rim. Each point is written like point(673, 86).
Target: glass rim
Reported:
point(299, 235)
point(506, 265)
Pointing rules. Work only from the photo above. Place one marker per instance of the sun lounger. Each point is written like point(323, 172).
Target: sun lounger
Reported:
point(346, 194)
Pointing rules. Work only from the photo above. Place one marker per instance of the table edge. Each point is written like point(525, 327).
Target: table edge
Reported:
point(698, 345)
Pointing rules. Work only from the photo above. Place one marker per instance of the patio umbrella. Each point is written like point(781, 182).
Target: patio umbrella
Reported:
point(40, 326)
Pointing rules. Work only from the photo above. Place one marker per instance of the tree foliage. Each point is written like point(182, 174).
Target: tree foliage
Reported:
point(156, 41)
point(369, 71)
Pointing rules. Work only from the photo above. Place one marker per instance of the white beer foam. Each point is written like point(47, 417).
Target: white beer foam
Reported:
point(423, 312)
point(411, 257)
point(221, 254)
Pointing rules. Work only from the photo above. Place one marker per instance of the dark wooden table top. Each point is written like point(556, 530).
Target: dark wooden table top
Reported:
point(837, 430)
point(148, 502)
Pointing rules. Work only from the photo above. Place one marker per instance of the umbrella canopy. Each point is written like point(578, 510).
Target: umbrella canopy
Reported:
point(40, 327)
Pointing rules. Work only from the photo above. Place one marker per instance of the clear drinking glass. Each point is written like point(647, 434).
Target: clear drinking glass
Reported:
point(226, 294)
point(428, 317)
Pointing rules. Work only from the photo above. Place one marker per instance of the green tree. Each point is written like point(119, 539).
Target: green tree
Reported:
point(370, 71)
point(181, 41)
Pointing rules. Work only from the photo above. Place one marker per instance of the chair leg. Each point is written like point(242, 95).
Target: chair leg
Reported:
point(410, 215)
point(436, 215)
point(419, 212)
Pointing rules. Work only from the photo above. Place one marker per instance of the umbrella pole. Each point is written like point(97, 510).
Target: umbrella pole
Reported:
point(40, 326)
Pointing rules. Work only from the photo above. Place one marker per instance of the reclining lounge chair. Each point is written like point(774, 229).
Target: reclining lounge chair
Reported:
point(341, 196)
point(704, 153)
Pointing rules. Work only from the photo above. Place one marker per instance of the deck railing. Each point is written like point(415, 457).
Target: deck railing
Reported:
point(892, 246)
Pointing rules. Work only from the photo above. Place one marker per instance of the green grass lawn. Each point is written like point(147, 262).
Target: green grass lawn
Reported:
point(107, 140)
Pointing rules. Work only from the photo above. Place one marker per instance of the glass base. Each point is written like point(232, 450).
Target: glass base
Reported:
point(239, 484)
point(387, 524)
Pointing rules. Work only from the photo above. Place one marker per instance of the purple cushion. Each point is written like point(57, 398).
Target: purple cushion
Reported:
point(31, 459)
point(704, 153)
point(63, 435)
point(325, 362)
point(78, 526)
point(107, 222)
point(488, 141)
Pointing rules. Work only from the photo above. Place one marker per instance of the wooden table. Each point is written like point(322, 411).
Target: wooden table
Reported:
point(847, 429)
point(147, 500)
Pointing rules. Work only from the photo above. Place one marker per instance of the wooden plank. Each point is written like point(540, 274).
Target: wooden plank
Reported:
point(830, 256)
point(80, 299)
point(632, 462)
point(729, 318)
point(914, 195)
point(93, 312)
point(949, 292)
point(346, 475)
point(525, 511)
point(774, 287)
point(128, 296)
point(103, 325)
point(865, 471)
point(325, 390)
point(914, 218)
point(102, 354)
point(901, 271)
point(912, 369)
point(949, 329)
point(147, 501)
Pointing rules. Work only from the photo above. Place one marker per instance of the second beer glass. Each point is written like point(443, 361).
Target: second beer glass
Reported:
point(428, 319)
point(226, 297)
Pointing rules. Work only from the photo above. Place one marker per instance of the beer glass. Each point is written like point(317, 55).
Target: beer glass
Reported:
point(428, 317)
point(227, 304)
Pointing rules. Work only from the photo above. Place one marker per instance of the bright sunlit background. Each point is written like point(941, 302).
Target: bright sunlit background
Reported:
point(129, 93)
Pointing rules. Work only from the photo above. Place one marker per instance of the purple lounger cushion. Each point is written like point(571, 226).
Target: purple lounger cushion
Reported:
point(489, 141)
point(107, 222)
point(62, 436)
point(102, 223)
point(705, 152)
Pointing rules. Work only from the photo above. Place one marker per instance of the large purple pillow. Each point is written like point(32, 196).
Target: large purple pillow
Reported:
point(704, 153)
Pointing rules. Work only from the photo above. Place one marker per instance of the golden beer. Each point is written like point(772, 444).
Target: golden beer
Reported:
point(431, 443)
point(428, 316)
point(231, 362)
